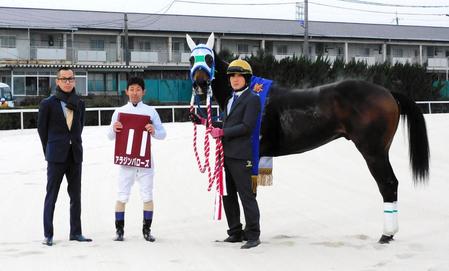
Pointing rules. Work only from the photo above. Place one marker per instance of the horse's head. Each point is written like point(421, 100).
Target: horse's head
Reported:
point(202, 64)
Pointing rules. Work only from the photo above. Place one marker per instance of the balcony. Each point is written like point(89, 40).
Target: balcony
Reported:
point(402, 60)
point(91, 56)
point(435, 62)
point(280, 57)
point(369, 60)
point(141, 56)
point(330, 58)
point(50, 54)
point(9, 53)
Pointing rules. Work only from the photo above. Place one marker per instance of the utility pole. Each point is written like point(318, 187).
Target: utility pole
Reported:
point(126, 45)
point(305, 49)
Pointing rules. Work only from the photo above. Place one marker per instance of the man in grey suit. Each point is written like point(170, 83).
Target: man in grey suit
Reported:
point(239, 121)
point(60, 124)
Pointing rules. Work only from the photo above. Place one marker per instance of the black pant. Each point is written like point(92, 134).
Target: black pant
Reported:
point(55, 174)
point(238, 180)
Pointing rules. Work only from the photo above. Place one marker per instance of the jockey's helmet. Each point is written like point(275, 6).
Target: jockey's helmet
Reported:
point(239, 66)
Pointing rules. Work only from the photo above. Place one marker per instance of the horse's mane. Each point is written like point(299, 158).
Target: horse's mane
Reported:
point(220, 85)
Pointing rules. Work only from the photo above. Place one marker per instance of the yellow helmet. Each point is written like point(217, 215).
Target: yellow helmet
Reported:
point(239, 66)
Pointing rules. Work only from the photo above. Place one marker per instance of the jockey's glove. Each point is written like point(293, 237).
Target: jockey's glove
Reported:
point(216, 132)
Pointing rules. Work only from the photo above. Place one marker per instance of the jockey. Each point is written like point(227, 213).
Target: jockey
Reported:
point(240, 119)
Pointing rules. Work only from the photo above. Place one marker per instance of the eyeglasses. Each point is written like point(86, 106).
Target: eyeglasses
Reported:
point(67, 80)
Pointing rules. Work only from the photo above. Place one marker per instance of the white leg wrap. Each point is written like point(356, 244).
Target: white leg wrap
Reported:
point(391, 226)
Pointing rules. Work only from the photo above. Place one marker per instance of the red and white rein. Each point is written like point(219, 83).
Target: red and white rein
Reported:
point(217, 177)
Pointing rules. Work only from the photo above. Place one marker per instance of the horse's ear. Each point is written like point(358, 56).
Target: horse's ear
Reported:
point(190, 42)
point(210, 41)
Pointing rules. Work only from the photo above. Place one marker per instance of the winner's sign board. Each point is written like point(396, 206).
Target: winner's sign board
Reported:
point(133, 143)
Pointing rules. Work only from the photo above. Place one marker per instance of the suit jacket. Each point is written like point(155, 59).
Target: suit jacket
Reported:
point(238, 126)
point(56, 138)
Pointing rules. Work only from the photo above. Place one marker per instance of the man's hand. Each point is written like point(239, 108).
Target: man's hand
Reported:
point(150, 128)
point(216, 132)
point(117, 127)
point(195, 118)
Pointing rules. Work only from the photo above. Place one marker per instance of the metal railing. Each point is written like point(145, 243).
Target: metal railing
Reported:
point(172, 108)
point(102, 109)
point(429, 105)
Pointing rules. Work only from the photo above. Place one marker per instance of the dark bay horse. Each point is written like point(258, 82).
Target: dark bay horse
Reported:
point(299, 120)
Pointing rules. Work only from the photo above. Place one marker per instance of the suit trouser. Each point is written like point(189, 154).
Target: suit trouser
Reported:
point(238, 181)
point(55, 174)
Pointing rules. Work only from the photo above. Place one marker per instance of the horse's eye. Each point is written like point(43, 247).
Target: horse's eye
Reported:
point(209, 60)
point(192, 61)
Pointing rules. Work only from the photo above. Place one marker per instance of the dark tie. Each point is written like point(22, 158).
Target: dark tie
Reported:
point(234, 100)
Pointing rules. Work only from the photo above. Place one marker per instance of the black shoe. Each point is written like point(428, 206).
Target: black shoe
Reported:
point(235, 238)
point(119, 236)
point(385, 239)
point(147, 233)
point(251, 244)
point(48, 241)
point(147, 236)
point(79, 238)
point(119, 230)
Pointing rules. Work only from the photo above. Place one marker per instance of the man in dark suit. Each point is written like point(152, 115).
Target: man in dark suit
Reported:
point(239, 121)
point(60, 124)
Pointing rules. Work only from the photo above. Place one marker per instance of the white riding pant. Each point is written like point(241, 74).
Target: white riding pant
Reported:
point(127, 177)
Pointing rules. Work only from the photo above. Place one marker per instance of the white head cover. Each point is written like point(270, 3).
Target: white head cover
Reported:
point(202, 56)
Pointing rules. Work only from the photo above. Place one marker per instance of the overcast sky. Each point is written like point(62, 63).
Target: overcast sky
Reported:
point(319, 10)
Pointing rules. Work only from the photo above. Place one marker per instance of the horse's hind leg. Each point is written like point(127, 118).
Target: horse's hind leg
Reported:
point(380, 167)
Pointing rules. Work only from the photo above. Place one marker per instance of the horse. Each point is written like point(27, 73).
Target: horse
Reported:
point(299, 120)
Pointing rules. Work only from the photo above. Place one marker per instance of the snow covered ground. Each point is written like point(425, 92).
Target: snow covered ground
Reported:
point(324, 211)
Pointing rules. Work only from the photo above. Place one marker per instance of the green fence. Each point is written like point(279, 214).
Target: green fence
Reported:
point(166, 91)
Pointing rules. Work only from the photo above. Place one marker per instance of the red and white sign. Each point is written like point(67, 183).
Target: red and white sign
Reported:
point(133, 143)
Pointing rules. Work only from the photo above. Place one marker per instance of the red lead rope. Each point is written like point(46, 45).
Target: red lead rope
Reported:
point(217, 177)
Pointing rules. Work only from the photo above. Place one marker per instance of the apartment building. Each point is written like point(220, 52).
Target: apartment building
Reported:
point(35, 42)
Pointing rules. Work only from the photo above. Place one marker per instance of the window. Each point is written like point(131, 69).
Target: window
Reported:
point(96, 82)
point(97, 45)
point(340, 51)
point(111, 83)
point(186, 47)
point(366, 51)
point(31, 85)
point(398, 52)
point(242, 48)
point(80, 85)
point(8, 41)
point(281, 49)
point(144, 46)
point(19, 85)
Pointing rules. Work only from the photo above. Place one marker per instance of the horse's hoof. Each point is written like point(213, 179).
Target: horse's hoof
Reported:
point(385, 239)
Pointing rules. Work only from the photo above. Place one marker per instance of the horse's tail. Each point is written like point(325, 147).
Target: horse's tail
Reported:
point(418, 142)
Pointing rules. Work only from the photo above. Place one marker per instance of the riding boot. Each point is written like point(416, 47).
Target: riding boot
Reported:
point(119, 225)
point(146, 230)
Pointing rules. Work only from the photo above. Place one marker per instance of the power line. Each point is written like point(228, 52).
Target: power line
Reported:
point(380, 12)
point(393, 5)
point(234, 4)
point(162, 12)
